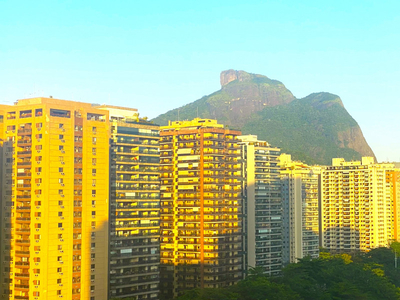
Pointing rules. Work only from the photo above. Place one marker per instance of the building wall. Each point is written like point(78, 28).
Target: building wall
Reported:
point(135, 207)
point(357, 208)
point(263, 205)
point(60, 203)
point(201, 233)
point(300, 194)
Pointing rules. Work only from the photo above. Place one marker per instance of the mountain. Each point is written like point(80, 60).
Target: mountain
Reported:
point(313, 129)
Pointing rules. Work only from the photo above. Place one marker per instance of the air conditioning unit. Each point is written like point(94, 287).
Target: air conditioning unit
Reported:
point(36, 275)
point(39, 140)
point(62, 151)
point(62, 218)
point(61, 251)
point(37, 241)
point(62, 196)
point(63, 162)
point(61, 240)
point(62, 173)
point(93, 174)
point(93, 195)
point(61, 273)
point(61, 206)
point(38, 184)
point(38, 162)
point(38, 173)
point(36, 264)
point(93, 184)
point(60, 284)
point(38, 151)
point(93, 259)
point(61, 228)
point(62, 141)
point(37, 229)
point(62, 184)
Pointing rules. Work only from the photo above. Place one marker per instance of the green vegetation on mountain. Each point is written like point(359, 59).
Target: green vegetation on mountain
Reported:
point(314, 129)
point(363, 276)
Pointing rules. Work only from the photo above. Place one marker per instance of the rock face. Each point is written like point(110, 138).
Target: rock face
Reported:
point(314, 129)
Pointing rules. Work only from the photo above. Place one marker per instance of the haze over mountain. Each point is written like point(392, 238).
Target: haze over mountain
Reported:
point(314, 129)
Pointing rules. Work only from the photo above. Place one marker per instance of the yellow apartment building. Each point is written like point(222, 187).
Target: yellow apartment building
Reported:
point(300, 219)
point(357, 205)
point(262, 205)
point(201, 207)
point(54, 200)
point(134, 205)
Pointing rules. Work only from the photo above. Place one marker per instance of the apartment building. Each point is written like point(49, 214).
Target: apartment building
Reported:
point(262, 205)
point(357, 205)
point(134, 205)
point(54, 200)
point(300, 196)
point(201, 207)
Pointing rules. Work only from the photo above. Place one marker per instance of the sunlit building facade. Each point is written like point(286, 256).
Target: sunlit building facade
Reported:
point(300, 196)
point(201, 207)
point(262, 205)
point(134, 205)
point(54, 200)
point(357, 205)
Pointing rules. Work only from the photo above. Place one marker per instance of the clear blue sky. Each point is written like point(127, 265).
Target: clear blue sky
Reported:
point(159, 55)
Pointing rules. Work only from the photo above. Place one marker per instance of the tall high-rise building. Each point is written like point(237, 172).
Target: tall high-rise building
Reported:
point(300, 196)
point(54, 200)
point(134, 205)
point(201, 224)
point(393, 184)
point(356, 205)
point(262, 205)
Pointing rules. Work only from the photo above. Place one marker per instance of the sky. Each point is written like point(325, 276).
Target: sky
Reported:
point(160, 55)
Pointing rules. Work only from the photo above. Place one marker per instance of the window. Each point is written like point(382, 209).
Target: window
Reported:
point(61, 170)
point(59, 225)
point(60, 125)
point(60, 180)
point(38, 112)
point(61, 147)
point(60, 203)
point(59, 270)
point(60, 213)
point(59, 258)
point(60, 235)
point(59, 280)
point(61, 136)
point(60, 113)
point(60, 192)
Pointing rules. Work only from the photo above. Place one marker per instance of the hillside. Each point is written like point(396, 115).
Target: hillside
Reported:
point(313, 129)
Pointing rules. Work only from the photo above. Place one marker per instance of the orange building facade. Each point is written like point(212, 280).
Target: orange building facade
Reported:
point(201, 206)
point(54, 200)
